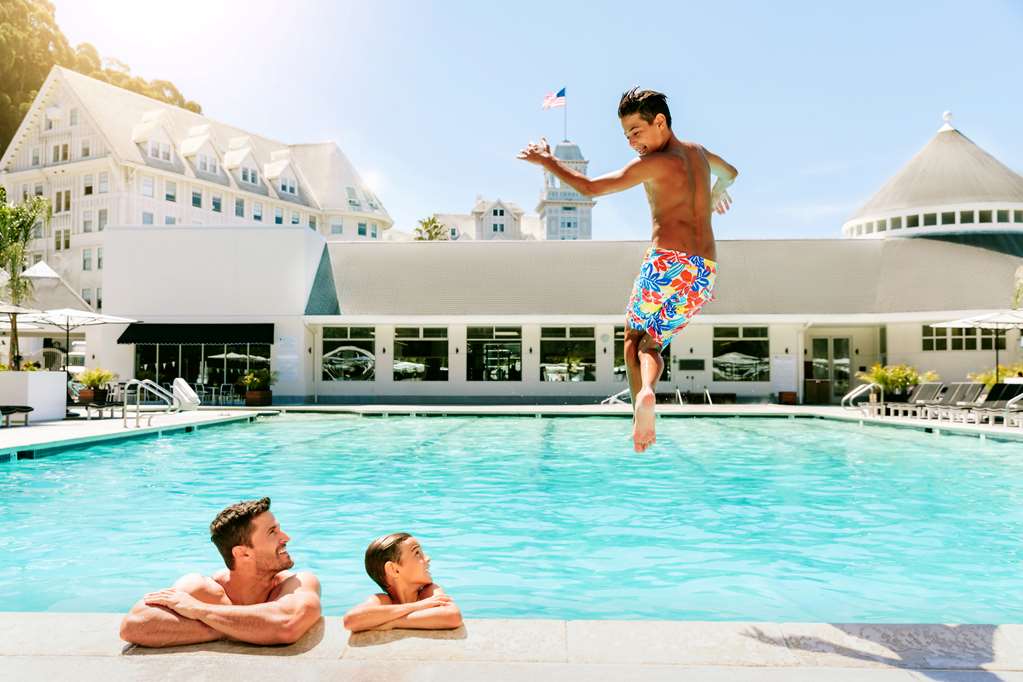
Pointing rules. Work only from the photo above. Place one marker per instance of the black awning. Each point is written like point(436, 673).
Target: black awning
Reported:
point(140, 332)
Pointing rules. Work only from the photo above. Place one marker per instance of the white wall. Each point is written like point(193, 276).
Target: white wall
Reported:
point(905, 347)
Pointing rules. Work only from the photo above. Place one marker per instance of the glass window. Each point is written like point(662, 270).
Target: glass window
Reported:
point(494, 354)
point(930, 219)
point(948, 218)
point(145, 362)
point(934, 338)
point(35, 156)
point(336, 227)
point(896, 223)
point(257, 212)
point(196, 198)
point(214, 357)
point(1017, 216)
point(296, 218)
point(239, 208)
point(278, 216)
point(987, 339)
point(101, 219)
point(568, 354)
point(362, 229)
point(170, 191)
point(373, 233)
point(170, 220)
point(741, 354)
point(985, 216)
point(99, 258)
point(147, 218)
point(86, 259)
point(99, 298)
point(349, 354)
point(420, 354)
point(882, 225)
point(104, 183)
point(86, 221)
point(1003, 216)
point(87, 186)
point(620, 373)
point(312, 222)
point(966, 216)
point(73, 117)
point(86, 149)
point(87, 295)
point(147, 186)
point(191, 363)
point(912, 221)
point(217, 203)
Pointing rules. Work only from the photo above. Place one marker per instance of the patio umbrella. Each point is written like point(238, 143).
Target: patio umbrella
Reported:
point(999, 321)
point(71, 318)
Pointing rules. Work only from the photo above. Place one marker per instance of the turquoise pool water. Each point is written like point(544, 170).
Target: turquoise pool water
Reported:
point(724, 519)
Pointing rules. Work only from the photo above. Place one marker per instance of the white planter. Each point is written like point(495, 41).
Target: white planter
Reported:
point(44, 391)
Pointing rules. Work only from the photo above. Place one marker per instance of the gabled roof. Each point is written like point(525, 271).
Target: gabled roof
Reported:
point(322, 167)
point(568, 151)
point(950, 169)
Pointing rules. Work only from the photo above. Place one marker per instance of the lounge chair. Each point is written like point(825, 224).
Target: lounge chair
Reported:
point(99, 408)
point(990, 411)
point(8, 411)
point(958, 395)
point(923, 393)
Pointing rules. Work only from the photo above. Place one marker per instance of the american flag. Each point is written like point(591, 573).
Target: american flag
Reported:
point(552, 101)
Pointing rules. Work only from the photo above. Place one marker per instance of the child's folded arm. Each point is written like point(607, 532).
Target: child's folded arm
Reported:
point(376, 611)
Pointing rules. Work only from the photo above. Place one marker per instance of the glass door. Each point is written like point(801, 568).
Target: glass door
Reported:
point(832, 363)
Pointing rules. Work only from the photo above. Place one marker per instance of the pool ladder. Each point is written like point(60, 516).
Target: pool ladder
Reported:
point(150, 386)
point(856, 393)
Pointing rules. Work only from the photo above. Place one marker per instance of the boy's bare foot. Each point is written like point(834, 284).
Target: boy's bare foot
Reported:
point(643, 435)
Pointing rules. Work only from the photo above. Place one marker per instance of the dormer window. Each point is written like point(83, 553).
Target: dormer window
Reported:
point(288, 185)
point(73, 117)
point(250, 175)
point(208, 164)
point(498, 212)
point(353, 199)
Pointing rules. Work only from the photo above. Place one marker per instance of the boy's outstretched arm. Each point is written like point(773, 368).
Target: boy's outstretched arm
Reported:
point(725, 173)
point(632, 174)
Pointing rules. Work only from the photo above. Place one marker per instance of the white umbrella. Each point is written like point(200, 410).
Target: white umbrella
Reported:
point(998, 320)
point(71, 318)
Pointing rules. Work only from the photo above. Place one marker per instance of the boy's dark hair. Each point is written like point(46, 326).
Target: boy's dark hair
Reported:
point(380, 551)
point(233, 527)
point(646, 103)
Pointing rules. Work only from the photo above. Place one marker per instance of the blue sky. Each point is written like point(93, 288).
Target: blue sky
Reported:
point(816, 103)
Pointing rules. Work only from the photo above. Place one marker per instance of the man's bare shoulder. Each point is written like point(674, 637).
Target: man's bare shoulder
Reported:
point(289, 582)
point(199, 585)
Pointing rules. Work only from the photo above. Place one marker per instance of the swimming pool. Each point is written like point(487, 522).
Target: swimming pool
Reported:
point(724, 519)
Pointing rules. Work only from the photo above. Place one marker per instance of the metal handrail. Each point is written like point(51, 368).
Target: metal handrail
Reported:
point(1009, 405)
point(615, 399)
point(173, 404)
point(857, 392)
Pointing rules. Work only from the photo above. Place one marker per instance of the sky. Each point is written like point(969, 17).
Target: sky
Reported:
point(816, 103)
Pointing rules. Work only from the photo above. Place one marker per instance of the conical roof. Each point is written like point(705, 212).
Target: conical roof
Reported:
point(950, 169)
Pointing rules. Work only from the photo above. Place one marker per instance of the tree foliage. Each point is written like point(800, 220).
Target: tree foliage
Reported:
point(17, 222)
point(31, 43)
point(431, 230)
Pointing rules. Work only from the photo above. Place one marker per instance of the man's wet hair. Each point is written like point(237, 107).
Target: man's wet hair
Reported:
point(233, 527)
point(646, 103)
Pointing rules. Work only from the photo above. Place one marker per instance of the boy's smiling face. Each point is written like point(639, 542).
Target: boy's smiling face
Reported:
point(413, 563)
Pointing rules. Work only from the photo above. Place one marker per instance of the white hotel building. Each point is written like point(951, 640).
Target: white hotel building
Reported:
point(107, 156)
point(497, 320)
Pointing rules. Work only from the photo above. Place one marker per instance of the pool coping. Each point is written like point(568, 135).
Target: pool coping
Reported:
point(87, 644)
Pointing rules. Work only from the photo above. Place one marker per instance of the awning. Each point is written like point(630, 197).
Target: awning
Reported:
point(141, 332)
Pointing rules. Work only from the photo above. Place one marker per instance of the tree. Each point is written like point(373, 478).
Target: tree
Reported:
point(431, 230)
point(17, 223)
point(31, 43)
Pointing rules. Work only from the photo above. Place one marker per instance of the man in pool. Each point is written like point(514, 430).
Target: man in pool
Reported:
point(410, 599)
point(255, 600)
point(677, 276)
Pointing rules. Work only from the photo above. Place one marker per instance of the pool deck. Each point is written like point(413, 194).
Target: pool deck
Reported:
point(87, 647)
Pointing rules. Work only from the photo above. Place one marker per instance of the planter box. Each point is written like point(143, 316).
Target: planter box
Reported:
point(92, 395)
point(44, 391)
point(258, 398)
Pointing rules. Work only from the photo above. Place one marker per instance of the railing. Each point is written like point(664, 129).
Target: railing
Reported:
point(857, 392)
point(616, 399)
point(147, 385)
point(1008, 408)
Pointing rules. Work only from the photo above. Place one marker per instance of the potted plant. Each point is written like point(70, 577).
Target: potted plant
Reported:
point(895, 380)
point(95, 381)
point(257, 387)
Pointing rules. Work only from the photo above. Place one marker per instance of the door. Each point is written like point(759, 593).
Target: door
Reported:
point(832, 363)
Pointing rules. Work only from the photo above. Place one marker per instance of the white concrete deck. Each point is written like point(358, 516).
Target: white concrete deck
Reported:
point(70, 432)
point(86, 647)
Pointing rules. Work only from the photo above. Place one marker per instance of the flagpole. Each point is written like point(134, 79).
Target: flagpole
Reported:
point(566, 119)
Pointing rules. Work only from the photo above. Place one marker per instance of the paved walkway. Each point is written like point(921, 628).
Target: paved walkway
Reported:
point(86, 647)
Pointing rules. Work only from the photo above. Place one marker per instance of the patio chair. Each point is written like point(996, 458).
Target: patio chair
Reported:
point(923, 393)
point(991, 411)
point(99, 408)
point(961, 412)
point(958, 395)
point(8, 411)
point(226, 393)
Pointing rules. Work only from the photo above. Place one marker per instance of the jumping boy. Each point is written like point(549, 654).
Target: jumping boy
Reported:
point(677, 276)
